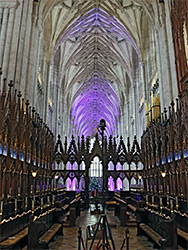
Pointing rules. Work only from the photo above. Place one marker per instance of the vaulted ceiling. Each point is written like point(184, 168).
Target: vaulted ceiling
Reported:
point(99, 45)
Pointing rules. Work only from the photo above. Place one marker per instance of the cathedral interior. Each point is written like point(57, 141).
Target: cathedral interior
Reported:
point(94, 124)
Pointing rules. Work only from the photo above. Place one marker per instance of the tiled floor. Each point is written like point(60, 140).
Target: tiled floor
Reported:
point(70, 239)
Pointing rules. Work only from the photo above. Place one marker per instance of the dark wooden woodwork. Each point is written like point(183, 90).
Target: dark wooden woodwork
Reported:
point(179, 20)
point(123, 215)
point(43, 228)
point(14, 231)
point(161, 230)
point(117, 154)
point(26, 144)
point(167, 140)
point(170, 229)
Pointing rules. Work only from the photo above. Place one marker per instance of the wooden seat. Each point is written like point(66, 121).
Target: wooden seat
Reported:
point(43, 229)
point(14, 240)
point(111, 202)
point(183, 238)
point(46, 237)
point(183, 234)
point(151, 233)
point(131, 207)
point(66, 217)
point(67, 214)
point(65, 206)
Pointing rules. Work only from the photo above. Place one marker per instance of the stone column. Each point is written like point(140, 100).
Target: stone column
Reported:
point(13, 57)
point(8, 42)
point(1, 15)
point(3, 34)
point(87, 181)
point(26, 49)
point(21, 46)
point(33, 55)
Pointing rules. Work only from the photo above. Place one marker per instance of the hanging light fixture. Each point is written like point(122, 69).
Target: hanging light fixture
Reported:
point(34, 173)
point(57, 175)
point(163, 172)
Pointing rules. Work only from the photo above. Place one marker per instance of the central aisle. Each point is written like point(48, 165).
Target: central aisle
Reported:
point(70, 239)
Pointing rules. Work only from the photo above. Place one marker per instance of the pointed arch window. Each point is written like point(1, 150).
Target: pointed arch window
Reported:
point(96, 167)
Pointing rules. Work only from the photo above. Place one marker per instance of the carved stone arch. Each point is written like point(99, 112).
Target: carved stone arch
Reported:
point(109, 158)
point(136, 158)
point(95, 154)
point(72, 158)
point(122, 159)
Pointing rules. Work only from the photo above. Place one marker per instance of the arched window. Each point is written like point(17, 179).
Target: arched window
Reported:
point(133, 166)
point(119, 166)
point(125, 166)
point(68, 184)
point(73, 166)
point(96, 167)
point(133, 181)
point(60, 183)
point(110, 166)
point(82, 183)
point(140, 165)
point(119, 184)
point(83, 166)
point(126, 184)
point(111, 183)
point(74, 184)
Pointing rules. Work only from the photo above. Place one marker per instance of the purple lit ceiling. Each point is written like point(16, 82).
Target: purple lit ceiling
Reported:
point(93, 62)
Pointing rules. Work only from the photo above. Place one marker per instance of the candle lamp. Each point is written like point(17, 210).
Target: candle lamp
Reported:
point(31, 189)
point(167, 189)
point(146, 199)
point(177, 203)
point(167, 200)
point(48, 200)
point(152, 200)
point(53, 200)
point(18, 191)
point(26, 203)
point(1, 211)
point(33, 206)
point(161, 204)
point(171, 206)
point(16, 206)
point(41, 204)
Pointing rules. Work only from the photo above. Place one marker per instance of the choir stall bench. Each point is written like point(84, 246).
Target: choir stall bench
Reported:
point(14, 231)
point(159, 228)
point(43, 229)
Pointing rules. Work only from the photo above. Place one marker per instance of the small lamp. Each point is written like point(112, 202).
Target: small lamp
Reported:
point(34, 173)
point(56, 176)
point(163, 172)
